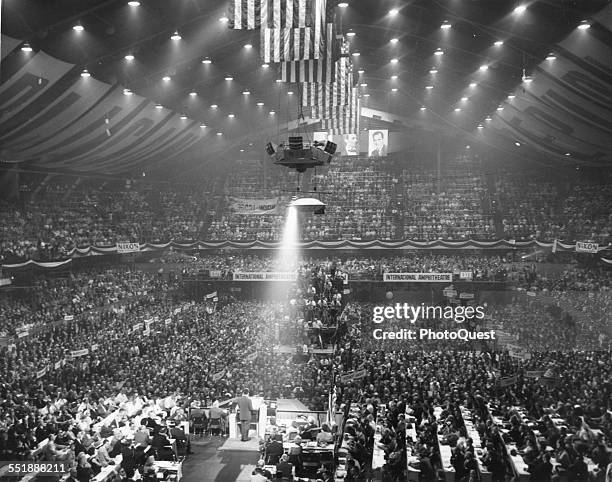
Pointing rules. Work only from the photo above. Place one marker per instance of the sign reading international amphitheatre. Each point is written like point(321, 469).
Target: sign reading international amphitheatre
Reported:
point(586, 247)
point(123, 248)
point(265, 276)
point(418, 277)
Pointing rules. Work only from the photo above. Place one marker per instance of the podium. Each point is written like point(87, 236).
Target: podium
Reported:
point(258, 419)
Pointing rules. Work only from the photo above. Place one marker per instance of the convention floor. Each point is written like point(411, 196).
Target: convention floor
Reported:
point(209, 464)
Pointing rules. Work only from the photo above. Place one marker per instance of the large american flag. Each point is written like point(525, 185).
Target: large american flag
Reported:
point(323, 97)
point(347, 123)
point(321, 71)
point(305, 40)
point(254, 14)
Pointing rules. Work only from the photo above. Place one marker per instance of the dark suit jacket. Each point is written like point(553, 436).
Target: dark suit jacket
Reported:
point(245, 406)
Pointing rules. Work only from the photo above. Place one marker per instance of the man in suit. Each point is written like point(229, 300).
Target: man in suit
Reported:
point(245, 406)
point(380, 149)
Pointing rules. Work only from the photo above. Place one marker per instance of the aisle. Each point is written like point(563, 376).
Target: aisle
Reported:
point(209, 464)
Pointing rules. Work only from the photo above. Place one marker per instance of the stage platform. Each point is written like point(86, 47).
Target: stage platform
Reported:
point(291, 404)
point(234, 445)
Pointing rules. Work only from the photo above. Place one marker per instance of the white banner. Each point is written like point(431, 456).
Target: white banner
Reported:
point(465, 275)
point(123, 248)
point(418, 277)
point(78, 353)
point(356, 375)
point(253, 206)
point(265, 276)
point(582, 247)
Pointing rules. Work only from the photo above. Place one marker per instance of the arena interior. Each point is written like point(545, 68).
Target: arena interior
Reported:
point(305, 240)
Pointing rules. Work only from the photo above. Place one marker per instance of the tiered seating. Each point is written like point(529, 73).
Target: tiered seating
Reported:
point(449, 208)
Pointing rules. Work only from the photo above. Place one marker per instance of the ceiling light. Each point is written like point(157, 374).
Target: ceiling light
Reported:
point(393, 12)
point(272, 112)
point(213, 106)
point(78, 27)
point(423, 108)
point(457, 109)
point(343, 4)
point(360, 71)
point(183, 117)
point(207, 61)
point(520, 9)
point(166, 78)
point(278, 81)
point(517, 144)
point(366, 95)
point(224, 19)
point(85, 73)
point(363, 84)
point(290, 93)
point(482, 68)
point(498, 43)
point(26, 47)
point(229, 78)
point(231, 116)
point(488, 118)
point(394, 40)
point(193, 94)
point(568, 153)
point(248, 46)
point(129, 57)
point(429, 87)
point(394, 77)
point(219, 133)
point(473, 84)
point(445, 25)
point(394, 61)
point(260, 104)
point(202, 126)
point(464, 99)
point(245, 92)
point(439, 51)
point(511, 96)
point(159, 106)
point(127, 92)
point(551, 56)
point(350, 33)
point(175, 36)
point(527, 79)
point(584, 25)
point(480, 126)
point(394, 89)
point(499, 109)
point(356, 54)
point(134, 3)
point(433, 71)
point(264, 66)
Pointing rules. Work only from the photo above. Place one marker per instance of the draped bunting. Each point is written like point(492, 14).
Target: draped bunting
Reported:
point(53, 118)
point(566, 109)
point(340, 244)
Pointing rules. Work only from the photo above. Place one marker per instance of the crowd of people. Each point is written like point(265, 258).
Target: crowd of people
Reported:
point(365, 201)
point(118, 349)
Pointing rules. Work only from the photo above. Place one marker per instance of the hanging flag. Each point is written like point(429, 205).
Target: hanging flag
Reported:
point(321, 71)
point(347, 124)
point(273, 14)
point(306, 39)
point(325, 96)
